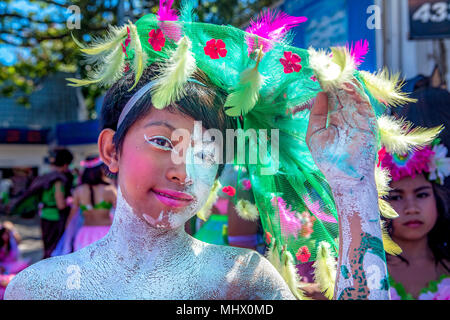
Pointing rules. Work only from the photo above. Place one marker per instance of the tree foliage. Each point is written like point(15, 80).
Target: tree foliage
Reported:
point(38, 32)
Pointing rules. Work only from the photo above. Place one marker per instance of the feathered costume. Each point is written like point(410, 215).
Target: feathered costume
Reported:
point(270, 85)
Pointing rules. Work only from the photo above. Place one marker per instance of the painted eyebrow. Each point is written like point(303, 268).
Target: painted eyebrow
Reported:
point(422, 188)
point(160, 123)
point(415, 190)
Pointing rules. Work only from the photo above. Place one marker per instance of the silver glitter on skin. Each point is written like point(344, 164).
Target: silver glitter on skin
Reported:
point(136, 260)
point(345, 153)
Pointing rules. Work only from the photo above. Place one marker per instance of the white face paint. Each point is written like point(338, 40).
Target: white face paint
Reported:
point(201, 170)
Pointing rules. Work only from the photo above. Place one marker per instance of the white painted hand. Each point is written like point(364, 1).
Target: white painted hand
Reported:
point(345, 150)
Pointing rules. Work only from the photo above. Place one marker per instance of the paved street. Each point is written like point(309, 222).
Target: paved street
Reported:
point(29, 229)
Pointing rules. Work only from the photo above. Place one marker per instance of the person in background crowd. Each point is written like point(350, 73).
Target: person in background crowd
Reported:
point(5, 188)
point(94, 199)
point(55, 211)
point(421, 271)
point(10, 262)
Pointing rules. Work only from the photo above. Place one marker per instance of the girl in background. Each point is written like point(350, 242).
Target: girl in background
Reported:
point(94, 199)
point(422, 228)
point(10, 262)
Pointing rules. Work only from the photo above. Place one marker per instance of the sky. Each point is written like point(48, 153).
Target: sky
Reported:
point(8, 53)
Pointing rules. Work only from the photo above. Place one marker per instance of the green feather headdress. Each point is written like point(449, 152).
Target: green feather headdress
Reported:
point(266, 79)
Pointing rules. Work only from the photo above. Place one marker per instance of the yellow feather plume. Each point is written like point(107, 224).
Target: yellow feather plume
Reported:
point(389, 245)
point(78, 43)
point(244, 97)
point(285, 266)
point(247, 210)
point(110, 71)
point(289, 274)
point(174, 73)
point(205, 211)
point(81, 82)
point(325, 269)
point(112, 40)
point(382, 180)
point(107, 57)
point(140, 57)
point(332, 72)
point(386, 209)
point(386, 88)
point(398, 137)
point(273, 255)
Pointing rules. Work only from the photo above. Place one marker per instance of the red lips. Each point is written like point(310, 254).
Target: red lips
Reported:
point(413, 223)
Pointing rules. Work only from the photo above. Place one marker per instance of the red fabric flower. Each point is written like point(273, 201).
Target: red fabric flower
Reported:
point(303, 254)
point(291, 62)
point(314, 78)
point(156, 39)
point(229, 190)
point(268, 237)
point(215, 49)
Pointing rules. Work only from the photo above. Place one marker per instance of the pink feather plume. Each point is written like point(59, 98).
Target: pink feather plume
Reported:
point(273, 26)
point(358, 51)
point(165, 11)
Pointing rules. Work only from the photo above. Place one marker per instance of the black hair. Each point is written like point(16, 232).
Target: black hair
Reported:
point(60, 157)
point(4, 230)
point(430, 110)
point(439, 235)
point(93, 176)
point(203, 101)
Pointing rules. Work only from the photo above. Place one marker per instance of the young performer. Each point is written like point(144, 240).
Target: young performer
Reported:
point(93, 199)
point(165, 137)
point(421, 271)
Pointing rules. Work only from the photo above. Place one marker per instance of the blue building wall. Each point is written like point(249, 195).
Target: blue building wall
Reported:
point(333, 23)
point(53, 103)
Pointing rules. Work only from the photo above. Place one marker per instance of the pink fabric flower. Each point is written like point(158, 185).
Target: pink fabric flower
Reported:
point(289, 223)
point(246, 184)
point(156, 39)
point(291, 62)
point(303, 254)
point(313, 78)
point(215, 49)
point(407, 165)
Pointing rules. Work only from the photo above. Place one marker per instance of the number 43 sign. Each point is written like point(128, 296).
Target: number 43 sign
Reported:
point(429, 19)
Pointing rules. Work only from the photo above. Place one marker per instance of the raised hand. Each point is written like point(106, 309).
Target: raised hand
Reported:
point(346, 148)
point(345, 152)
